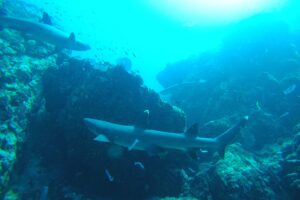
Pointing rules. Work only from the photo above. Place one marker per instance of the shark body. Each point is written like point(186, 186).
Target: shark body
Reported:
point(133, 137)
point(44, 32)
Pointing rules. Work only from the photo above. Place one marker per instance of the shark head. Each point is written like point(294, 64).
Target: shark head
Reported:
point(102, 128)
point(91, 125)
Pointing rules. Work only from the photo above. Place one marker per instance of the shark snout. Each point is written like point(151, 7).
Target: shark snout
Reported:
point(89, 123)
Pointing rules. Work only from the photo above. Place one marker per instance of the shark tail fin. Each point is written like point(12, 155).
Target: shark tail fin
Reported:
point(229, 135)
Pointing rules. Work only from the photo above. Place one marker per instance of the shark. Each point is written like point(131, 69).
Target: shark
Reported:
point(153, 141)
point(44, 32)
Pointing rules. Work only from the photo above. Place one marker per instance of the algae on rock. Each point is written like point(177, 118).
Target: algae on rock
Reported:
point(20, 77)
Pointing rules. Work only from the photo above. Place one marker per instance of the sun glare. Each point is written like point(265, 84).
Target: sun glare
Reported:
point(214, 11)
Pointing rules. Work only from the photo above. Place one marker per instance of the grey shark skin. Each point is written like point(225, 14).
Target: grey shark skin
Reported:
point(132, 137)
point(44, 32)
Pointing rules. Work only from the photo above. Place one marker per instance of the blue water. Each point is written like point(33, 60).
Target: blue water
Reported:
point(215, 61)
point(154, 33)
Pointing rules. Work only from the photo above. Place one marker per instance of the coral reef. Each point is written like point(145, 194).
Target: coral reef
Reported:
point(250, 74)
point(20, 77)
point(291, 163)
point(45, 145)
point(240, 175)
point(76, 90)
point(235, 85)
point(44, 99)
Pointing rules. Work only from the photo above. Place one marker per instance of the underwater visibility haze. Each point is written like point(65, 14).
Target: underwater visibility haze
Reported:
point(152, 33)
point(152, 99)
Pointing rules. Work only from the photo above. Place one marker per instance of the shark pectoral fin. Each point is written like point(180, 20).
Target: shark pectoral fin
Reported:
point(101, 138)
point(192, 131)
point(46, 19)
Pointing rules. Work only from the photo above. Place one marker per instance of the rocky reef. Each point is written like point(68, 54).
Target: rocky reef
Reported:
point(255, 72)
point(44, 143)
point(291, 164)
point(46, 151)
point(115, 96)
point(20, 77)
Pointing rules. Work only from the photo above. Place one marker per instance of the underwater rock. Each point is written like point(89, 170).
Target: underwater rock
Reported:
point(240, 175)
point(94, 93)
point(17, 98)
point(291, 164)
point(75, 90)
point(34, 49)
point(12, 43)
point(243, 78)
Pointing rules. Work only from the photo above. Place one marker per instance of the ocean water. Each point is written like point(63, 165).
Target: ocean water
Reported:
point(153, 99)
point(152, 33)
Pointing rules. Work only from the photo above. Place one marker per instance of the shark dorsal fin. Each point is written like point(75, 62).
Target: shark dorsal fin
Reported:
point(46, 19)
point(192, 131)
point(72, 38)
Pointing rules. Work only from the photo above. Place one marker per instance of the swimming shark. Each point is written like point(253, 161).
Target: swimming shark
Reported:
point(44, 32)
point(137, 138)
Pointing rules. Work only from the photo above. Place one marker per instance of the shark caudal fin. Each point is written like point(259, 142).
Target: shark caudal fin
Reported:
point(229, 135)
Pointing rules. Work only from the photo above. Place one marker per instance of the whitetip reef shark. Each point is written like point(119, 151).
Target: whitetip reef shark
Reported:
point(44, 32)
point(133, 137)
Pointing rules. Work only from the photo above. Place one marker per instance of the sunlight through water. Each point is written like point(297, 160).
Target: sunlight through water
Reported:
point(151, 33)
point(211, 12)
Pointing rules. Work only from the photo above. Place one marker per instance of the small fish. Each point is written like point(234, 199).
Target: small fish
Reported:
point(258, 106)
point(147, 112)
point(293, 161)
point(290, 89)
point(204, 151)
point(191, 170)
point(139, 164)
point(292, 175)
point(135, 142)
point(108, 175)
point(284, 115)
